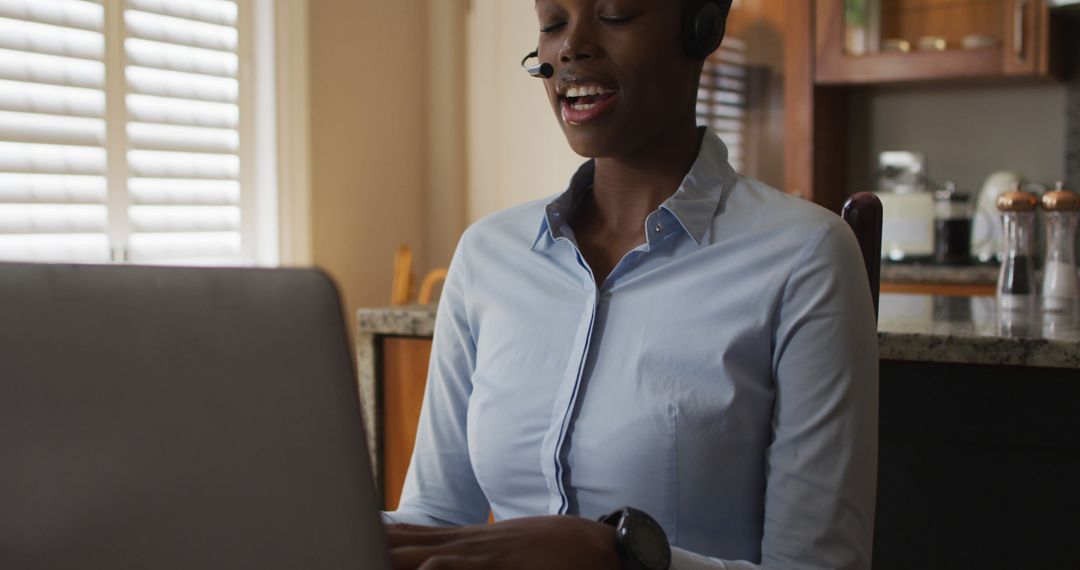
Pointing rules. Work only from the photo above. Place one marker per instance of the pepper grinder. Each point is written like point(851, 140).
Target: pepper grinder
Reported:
point(1016, 288)
point(952, 226)
point(1059, 290)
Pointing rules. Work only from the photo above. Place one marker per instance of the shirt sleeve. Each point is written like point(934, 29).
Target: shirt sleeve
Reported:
point(822, 463)
point(686, 560)
point(440, 487)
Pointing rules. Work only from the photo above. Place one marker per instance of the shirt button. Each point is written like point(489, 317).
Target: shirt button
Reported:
point(659, 228)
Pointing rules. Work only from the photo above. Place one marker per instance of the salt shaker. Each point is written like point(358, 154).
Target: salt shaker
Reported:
point(1016, 288)
point(1059, 290)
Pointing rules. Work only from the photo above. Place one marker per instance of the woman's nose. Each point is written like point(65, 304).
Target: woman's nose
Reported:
point(579, 43)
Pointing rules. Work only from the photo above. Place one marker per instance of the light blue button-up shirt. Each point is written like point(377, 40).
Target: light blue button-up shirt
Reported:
point(722, 379)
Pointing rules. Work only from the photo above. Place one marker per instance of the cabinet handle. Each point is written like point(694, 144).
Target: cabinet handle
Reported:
point(1019, 16)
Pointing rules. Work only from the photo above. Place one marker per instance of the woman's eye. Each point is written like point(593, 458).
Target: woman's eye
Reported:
point(551, 27)
point(616, 20)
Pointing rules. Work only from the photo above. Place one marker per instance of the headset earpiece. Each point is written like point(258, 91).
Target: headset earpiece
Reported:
point(704, 22)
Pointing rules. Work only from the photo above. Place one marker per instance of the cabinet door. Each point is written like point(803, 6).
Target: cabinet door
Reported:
point(880, 41)
point(1026, 25)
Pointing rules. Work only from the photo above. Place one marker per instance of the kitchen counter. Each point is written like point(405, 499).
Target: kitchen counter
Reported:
point(969, 330)
point(980, 274)
point(961, 330)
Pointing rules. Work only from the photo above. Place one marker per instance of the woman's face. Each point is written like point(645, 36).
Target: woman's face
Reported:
point(621, 79)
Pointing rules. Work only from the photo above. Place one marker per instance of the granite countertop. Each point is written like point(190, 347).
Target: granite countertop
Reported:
point(966, 330)
point(979, 274)
point(970, 330)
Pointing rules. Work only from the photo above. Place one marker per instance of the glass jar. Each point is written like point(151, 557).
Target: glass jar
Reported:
point(1016, 288)
point(1059, 290)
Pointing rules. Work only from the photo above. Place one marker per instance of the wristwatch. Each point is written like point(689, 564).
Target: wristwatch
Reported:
point(639, 540)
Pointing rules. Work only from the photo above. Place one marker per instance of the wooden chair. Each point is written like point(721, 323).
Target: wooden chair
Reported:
point(403, 283)
point(401, 288)
point(863, 213)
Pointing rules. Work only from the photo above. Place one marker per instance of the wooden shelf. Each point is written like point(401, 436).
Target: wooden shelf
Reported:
point(906, 67)
point(1023, 49)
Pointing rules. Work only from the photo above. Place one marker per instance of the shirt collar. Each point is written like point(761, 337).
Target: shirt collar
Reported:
point(694, 204)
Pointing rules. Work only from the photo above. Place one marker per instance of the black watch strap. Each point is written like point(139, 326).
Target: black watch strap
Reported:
point(639, 540)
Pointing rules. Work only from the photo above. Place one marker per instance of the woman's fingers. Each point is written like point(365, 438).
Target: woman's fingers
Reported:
point(400, 535)
point(431, 558)
point(409, 557)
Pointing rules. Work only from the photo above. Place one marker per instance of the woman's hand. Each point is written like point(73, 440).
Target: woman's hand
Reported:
point(563, 542)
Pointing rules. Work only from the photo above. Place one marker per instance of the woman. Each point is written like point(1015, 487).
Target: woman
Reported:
point(664, 335)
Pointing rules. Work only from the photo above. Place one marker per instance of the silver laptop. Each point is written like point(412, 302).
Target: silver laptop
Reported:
point(180, 418)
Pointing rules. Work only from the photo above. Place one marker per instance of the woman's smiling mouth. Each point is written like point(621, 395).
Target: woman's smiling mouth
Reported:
point(582, 103)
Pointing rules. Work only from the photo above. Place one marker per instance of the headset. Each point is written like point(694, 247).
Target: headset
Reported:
point(703, 26)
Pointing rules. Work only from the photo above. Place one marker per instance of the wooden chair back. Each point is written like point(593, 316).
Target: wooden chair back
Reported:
point(863, 213)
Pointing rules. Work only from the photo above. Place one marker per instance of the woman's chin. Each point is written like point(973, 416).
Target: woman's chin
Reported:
point(590, 145)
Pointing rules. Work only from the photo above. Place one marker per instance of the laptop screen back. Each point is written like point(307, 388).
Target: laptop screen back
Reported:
point(180, 418)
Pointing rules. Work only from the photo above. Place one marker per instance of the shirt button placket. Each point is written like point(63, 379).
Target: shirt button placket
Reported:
point(565, 401)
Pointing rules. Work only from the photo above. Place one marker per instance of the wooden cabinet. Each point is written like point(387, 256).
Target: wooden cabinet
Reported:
point(404, 366)
point(878, 41)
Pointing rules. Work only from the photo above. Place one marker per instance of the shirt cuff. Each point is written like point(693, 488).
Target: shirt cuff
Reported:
point(686, 560)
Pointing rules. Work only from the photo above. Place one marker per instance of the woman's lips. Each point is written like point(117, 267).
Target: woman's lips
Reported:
point(588, 108)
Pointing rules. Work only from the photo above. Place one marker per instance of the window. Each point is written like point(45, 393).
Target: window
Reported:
point(124, 132)
point(722, 97)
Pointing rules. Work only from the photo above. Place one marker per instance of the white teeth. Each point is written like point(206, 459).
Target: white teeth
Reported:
point(587, 91)
point(583, 106)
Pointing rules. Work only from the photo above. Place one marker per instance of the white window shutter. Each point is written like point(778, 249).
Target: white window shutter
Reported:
point(52, 131)
point(722, 97)
point(177, 111)
point(183, 131)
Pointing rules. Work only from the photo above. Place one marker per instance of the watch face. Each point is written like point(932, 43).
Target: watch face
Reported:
point(649, 543)
point(652, 550)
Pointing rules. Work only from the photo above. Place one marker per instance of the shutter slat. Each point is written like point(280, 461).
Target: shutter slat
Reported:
point(181, 192)
point(51, 69)
point(170, 30)
point(155, 164)
point(51, 189)
point(725, 125)
point(51, 99)
point(52, 219)
point(51, 159)
point(145, 136)
point(45, 129)
point(221, 247)
point(220, 12)
point(184, 219)
point(162, 110)
point(51, 40)
point(731, 56)
point(159, 55)
point(92, 248)
point(179, 85)
point(66, 13)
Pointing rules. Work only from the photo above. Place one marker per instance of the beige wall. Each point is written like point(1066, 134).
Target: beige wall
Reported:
point(420, 122)
point(378, 178)
point(516, 150)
